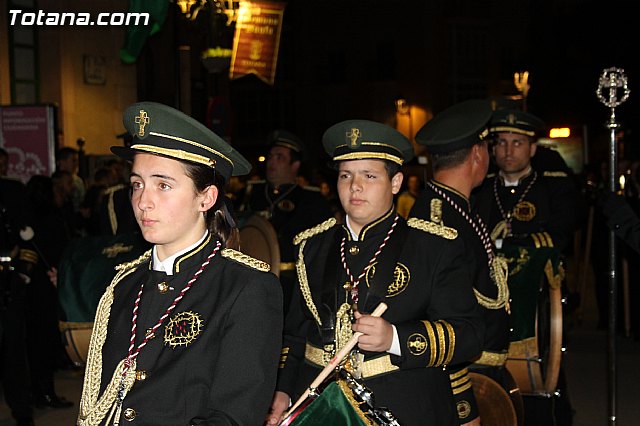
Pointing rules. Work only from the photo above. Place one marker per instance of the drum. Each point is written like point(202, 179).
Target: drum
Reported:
point(86, 268)
point(76, 337)
point(497, 406)
point(258, 239)
point(535, 350)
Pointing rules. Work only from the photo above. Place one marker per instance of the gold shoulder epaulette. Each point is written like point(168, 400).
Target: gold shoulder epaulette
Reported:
point(128, 265)
point(433, 228)
point(555, 174)
point(114, 188)
point(308, 233)
point(245, 259)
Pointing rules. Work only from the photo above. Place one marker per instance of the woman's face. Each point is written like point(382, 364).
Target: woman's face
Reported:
point(165, 203)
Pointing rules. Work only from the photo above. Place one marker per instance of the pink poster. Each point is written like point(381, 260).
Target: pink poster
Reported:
point(27, 133)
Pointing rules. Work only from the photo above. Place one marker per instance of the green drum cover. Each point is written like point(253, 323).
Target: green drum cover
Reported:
point(86, 269)
point(526, 270)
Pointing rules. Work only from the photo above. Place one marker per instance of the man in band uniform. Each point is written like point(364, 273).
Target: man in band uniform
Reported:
point(417, 267)
point(456, 141)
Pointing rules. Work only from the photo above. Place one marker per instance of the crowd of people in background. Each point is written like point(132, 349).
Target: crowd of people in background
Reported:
point(65, 207)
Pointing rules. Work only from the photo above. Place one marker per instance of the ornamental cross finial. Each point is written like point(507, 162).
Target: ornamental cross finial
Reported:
point(615, 81)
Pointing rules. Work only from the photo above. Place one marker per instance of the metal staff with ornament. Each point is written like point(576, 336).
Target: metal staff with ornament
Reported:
point(612, 92)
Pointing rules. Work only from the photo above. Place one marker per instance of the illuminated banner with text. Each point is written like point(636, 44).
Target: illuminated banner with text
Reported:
point(256, 41)
point(27, 133)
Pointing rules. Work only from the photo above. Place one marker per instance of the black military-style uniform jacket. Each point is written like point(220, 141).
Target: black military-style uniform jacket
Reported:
point(212, 361)
point(115, 214)
point(18, 261)
point(496, 317)
point(16, 215)
point(290, 209)
point(545, 216)
point(427, 286)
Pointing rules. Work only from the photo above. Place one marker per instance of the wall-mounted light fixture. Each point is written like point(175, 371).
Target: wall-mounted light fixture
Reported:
point(402, 106)
point(191, 8)
point(185, 6)
point(521, 81)
point(560, 132)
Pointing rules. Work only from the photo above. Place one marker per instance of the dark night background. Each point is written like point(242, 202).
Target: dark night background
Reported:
point(349, 59)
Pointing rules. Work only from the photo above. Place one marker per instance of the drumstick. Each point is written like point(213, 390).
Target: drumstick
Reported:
point(335, 361)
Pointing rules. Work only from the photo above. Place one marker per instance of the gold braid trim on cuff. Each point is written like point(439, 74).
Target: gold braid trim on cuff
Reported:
point(536, 241)
point(459, 382)
point(463, 388)
point(450, 346)
point(461, 385)
point(432, 342)
point(458, 374)
point(28, 256)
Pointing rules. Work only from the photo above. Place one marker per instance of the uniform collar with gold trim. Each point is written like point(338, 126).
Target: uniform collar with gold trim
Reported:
point(185, 258)
point(521, 181)
point(378, 226)
point(454, 194)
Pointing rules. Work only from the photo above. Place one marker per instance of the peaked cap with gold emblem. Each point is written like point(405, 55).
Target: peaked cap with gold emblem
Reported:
point(459, 126)
point(162, 130)
point(285, 138)
point(515, 121)
point(364, 139)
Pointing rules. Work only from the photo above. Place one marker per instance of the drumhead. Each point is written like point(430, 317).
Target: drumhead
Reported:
point(494, 404)
point(258, 239)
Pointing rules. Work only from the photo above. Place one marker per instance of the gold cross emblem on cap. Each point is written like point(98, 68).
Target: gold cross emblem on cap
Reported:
point(511, 119)
point(353, 136)
point(142, 120)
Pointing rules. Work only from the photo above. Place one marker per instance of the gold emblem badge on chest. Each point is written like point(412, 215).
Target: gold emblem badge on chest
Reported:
point(182, 329)
point(524, 211)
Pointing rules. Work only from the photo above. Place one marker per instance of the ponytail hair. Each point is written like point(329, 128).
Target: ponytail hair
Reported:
point(219, 218)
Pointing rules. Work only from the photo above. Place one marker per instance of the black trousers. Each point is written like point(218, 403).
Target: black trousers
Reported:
point(16, 379)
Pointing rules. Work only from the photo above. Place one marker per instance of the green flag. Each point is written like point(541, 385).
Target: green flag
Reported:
point(334, 407)
point(137, 34)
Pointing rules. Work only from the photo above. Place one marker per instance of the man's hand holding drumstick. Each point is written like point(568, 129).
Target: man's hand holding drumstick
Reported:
point(372, 333)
